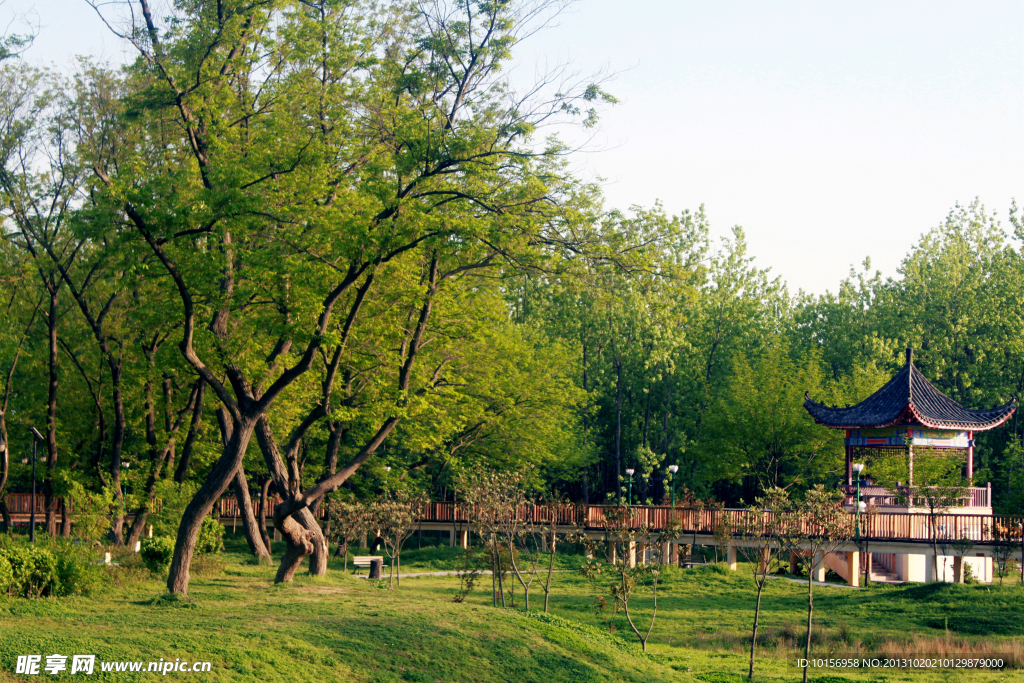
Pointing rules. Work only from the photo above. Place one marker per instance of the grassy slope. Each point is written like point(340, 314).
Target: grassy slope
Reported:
point(344, 628)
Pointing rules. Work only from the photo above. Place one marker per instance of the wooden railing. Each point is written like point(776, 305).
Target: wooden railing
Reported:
point(903, 496)
point(907, 526)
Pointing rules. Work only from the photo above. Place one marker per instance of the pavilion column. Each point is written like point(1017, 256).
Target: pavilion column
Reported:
point(849, 461)
point(970, 458)
point(910, 465)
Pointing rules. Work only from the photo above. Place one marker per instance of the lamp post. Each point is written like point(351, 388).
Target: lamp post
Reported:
point(32, 517)
point(673, 469)
point(630, 472)
point(124, 484)
point(858, 468)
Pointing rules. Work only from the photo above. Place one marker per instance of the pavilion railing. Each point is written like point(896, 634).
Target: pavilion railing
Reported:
point(904, 496)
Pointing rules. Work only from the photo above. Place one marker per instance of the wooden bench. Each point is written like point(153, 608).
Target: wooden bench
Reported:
point(691, 561)
point(361, 561)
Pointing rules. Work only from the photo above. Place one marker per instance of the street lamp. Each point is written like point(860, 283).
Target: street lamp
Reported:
point(630, 472)
point(124, 485)
point(32, 516)
point(858, 468)
point(673, 469)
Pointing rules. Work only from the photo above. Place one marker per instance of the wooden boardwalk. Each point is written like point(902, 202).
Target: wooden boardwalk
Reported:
point(983, 529)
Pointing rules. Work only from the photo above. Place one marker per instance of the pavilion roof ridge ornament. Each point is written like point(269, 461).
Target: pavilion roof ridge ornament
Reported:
point(909, 399)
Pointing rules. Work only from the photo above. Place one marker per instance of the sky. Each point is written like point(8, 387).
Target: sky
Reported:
point(829, 131)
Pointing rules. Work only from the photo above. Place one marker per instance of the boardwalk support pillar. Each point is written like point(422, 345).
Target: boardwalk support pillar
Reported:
point(731, 557)
point(818, 567)
point(631, 553)
point(854, 568)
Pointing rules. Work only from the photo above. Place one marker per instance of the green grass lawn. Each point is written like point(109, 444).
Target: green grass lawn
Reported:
point(350, 629)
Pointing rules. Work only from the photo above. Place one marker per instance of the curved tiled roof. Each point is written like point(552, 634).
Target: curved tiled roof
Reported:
point(909, 398)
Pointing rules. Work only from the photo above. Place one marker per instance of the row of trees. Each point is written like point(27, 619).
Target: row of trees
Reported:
point(339, 228)
point(705, 366)
point(296, 220)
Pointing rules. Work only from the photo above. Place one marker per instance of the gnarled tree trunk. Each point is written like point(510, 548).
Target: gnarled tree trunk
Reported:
point(220, 477)
point(249, 525)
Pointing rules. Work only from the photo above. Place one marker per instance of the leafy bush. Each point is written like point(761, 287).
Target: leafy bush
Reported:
point(33, 569)
point(211, 534)
point(157, 552)
point(75, 572)
point(6, 574)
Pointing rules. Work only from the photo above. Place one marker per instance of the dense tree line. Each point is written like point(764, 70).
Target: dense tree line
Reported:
point(295, 244)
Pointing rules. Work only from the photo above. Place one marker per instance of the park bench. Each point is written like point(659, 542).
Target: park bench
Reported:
point(361, 561)
point(691, 560)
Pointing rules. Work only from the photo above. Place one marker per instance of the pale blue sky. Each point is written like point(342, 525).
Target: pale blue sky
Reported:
point(830, 131)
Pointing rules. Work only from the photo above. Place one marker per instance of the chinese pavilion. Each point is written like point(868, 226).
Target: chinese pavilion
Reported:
point(909, 412)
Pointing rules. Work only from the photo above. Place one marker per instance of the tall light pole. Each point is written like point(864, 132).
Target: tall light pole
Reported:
point(858, 468)
point(630, 472)
point(124, 484)
point(673, 469)
point(32, 517)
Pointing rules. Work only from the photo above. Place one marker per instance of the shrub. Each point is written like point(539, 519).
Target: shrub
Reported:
point(157, 552)
point(75, 572)
point(33, 569)
point(6, 575)
point(210, 536)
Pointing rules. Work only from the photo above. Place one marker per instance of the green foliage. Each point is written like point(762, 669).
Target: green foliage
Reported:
point(91, 509)
point(6, 574)
point(211, 535)
point(76, 571)
point(34, 570)
point(759, 427)
point(172, 498)
point(157, 552)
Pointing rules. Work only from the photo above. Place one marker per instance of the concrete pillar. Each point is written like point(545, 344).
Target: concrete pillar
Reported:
point(641, 552)
point(853, 567)
point(666, 553)
point(451, 537)
point(818, 567)
point(794, 562)
point(464, 539)
point(958, 570)
point(673, 557)
point(763, 559)
point(731, 557)
point(631, 553)
point(611, 553)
